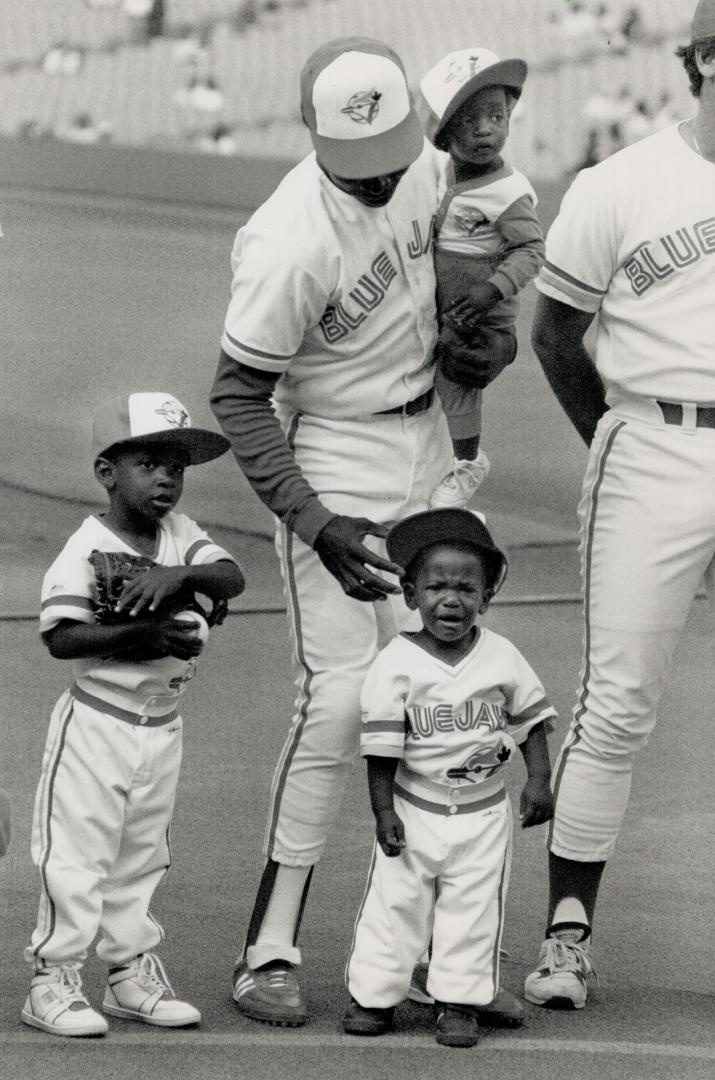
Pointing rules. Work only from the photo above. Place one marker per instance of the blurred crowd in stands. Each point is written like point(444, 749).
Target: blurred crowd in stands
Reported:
point(614, 120)
point(204, 115)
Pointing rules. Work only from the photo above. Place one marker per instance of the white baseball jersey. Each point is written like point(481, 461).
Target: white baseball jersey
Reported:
point(635, 240)
point(451, 725)
point(68, 592)
point(312, 271)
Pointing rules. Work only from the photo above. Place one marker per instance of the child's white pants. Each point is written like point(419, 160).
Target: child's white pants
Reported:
point(450, 884)
point(100, 833)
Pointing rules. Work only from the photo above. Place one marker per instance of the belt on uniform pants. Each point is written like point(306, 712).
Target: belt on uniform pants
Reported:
point(411, 408)
point(673, 414)
point(121, 714)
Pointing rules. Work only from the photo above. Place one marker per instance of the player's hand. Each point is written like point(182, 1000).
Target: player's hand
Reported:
point(390, 832)
point(176, 637)
point(537, 802)
point(460, 361)
point(467, 311)
point(339, 545)
point(146, 592)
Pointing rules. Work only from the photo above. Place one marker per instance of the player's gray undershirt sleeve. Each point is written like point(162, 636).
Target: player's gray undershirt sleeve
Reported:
point(241, 402)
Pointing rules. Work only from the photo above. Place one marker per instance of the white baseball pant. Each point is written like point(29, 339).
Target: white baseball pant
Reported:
point(647, 517)
point(379, 467)
point(100, 833)
point(449, 883)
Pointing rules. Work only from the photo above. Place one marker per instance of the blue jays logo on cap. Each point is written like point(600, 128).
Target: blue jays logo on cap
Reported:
point(363, 107)
point(174, 414)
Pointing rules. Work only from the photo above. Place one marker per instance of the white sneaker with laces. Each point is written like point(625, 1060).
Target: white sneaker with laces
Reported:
point(459, 485)
point(141, 991)
point(57, 1005)
point(559, 981)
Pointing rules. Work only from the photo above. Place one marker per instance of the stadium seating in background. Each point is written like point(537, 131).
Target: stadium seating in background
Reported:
point(222, 75)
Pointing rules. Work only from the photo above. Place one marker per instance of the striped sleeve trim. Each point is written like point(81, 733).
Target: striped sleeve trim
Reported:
point(208, 551)
point(369, 749)
point(377, 727)
point(66, 601)
point(556, 283)
point(541, 706)
point(255, 358)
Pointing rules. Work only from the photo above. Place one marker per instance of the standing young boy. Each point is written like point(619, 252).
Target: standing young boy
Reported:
point(100, 835)
point(443, 710)
point(488, 245)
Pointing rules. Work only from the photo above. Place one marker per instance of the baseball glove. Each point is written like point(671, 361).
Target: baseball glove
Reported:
point(112, 569)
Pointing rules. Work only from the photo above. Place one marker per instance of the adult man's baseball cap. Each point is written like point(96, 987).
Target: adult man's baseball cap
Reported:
point(413, 534)
point(460, 74)
point(153, 418)
point(703, 21)
point(357, 106)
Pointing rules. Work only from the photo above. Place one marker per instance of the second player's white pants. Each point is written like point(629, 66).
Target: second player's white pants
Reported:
point(382, 468)
point(100, 833)
point(450, 884)
point(647, 517)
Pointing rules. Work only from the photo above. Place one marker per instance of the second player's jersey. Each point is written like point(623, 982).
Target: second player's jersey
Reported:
point(337, 298)
point(150, 687)
point(634, 240)
point(451, 725)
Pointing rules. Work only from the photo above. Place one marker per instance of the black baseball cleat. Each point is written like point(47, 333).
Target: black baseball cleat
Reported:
point(361, 1021)
point(456, 1025)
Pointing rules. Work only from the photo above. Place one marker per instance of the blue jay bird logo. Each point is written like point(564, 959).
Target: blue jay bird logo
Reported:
point(364, 106)
point(174, 415)
point(485, 760)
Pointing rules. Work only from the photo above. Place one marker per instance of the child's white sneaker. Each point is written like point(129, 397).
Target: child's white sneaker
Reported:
point(459, 485)
point(141, 991)
point(57, 1005)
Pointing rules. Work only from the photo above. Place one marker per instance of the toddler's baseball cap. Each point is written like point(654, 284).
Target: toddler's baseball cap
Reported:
point(703, 22)
point(357, 106)
point(153, 417)
point(460, 74)
point(413, 534)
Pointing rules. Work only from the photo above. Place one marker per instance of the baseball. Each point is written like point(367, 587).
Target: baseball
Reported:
point(202, 627)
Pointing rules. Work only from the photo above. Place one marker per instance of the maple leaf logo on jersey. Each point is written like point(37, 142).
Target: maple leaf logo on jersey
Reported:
point(364, 106)
point(470, 221)
point(173, 414)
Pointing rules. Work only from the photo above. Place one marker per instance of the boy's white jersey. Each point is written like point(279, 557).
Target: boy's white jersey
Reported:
point(336, 297)
point(635, 240)
point(451, 725)
point(150, 687)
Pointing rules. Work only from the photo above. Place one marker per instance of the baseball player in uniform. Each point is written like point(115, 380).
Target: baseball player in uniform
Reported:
point(443, 709)
point(325, 389)
point(100, 833)
point(488, 246)
point(634, 243)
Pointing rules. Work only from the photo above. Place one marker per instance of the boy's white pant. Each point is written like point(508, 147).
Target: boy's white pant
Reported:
point(450, 884)
point(100, 833)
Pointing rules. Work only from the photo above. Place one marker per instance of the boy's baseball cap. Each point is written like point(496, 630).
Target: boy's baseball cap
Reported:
point(356, 104)
point(703, 21)
point(410, 536)
point(460, 74)
point(153, 417)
